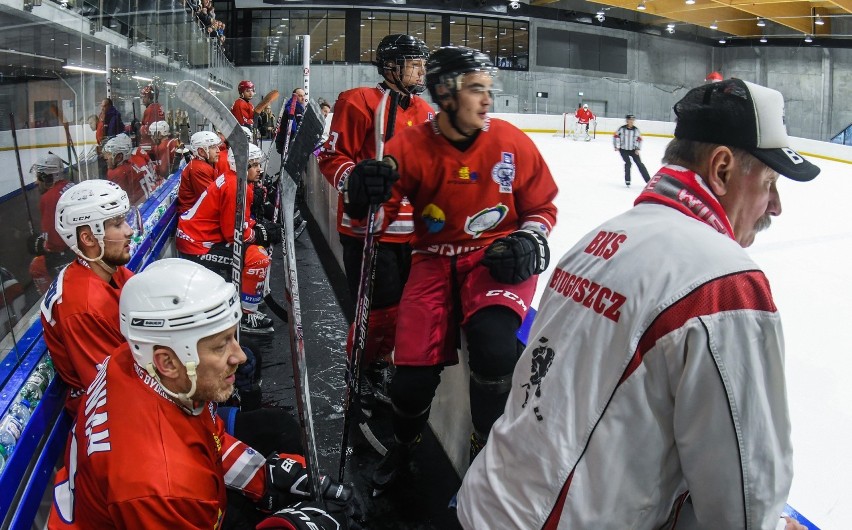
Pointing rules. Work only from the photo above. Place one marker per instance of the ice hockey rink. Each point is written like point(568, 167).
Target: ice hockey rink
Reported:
point(805, 254)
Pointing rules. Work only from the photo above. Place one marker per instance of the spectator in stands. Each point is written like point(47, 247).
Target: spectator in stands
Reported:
point(325, 108)
point(153, 403)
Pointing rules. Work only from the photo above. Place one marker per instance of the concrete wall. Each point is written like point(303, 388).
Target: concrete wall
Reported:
point(814, 81)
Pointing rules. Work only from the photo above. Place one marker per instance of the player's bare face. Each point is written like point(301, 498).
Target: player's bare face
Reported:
point(413, 72)
point(254, 172)
point(213, 154)
point(248, 94)
point(750, 200)
point(219, 356)
point(473, 100)
point(117, 234)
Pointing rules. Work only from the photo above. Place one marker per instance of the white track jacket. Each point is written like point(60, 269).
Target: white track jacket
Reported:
point(655, 368)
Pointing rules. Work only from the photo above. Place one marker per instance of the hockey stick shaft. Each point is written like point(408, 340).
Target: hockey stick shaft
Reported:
point(21, 174)
point(206, 104)
point(365, 287)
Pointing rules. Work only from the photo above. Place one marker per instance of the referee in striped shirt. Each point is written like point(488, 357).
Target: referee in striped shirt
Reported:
point(627, 140)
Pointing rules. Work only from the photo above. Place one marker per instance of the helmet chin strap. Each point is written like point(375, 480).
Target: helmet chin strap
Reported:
point(184, 399)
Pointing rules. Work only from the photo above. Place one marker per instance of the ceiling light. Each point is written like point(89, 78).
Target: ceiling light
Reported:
point(670, 25)
point(641, 6)
point(671, 30)
point(689, 2)
point(84, 69)
point(808, 38)
point(713, 25)
point(763, 40)
point(760, 23)
point(140, 78)
point(722, 41)
point(819, 21)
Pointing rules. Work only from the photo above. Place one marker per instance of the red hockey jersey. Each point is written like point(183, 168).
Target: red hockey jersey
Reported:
point(153, 113)
point(130, 178)
point(211, 218)
point(351, 140)
point(465, 200)
point(163, 155)
point(47, 207)
point(244, 112)
point(136, 460)
point(194, 179)
point(584, 115)
point(79, 315)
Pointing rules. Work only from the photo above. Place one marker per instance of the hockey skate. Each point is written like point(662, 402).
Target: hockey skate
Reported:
point(391, 465)
point(256, 322)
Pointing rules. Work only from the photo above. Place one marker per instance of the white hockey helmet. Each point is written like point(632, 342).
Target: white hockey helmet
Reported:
point(248, 133)
point(119, 144)
point(585, 105)
point(159, 128)
point(48, 164)
point(175, 303)
point(203, 140)
point(255, 154)
point(89, 203)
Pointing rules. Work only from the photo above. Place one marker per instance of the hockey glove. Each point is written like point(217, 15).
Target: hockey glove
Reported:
point(308, 516)
point(287, 482)
point(516, 257)
point(35, 245)
point(370, 182)
point(257, 205)
point(267, 233)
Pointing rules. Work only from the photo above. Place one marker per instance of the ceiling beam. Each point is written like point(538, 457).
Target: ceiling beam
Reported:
point(794, 15)
point(845, 5)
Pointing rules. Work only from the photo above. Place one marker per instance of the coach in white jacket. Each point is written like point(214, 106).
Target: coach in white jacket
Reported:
point(651, 394)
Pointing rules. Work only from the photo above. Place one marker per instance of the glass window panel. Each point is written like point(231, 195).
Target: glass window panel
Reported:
point(433, 31)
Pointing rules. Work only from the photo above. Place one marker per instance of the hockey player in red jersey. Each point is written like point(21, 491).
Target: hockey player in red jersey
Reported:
point(400, 60)
point(483, 208)
point(205, 234)
point(153, 113)
point(242, 109)
point(132, 175)
point(51, 252)
point(79, 313)
point(150, 430)
point(163, 150)
point(584, 117)
point(200, 172)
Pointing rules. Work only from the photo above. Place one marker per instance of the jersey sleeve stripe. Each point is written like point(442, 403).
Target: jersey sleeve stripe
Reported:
point(747, 290)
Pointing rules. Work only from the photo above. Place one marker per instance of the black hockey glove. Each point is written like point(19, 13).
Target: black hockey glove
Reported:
point(267, 233)
point(257, 204)
point(287, 482)
point(35, 245)
point(370, 182)
point(308, 516)
point(516, 257)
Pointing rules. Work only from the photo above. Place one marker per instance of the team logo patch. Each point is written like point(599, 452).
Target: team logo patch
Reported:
point(434, 218)
point(503, 172)
point(485, 220)
point(466, 176)
point(542, 358)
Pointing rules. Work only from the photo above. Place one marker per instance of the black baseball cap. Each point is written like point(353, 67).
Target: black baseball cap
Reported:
point(630, 117)
point(740, 114)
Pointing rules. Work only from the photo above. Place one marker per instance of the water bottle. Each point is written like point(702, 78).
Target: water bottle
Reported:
point(38, 379)
point(2, 458)
point(21, 411)
point(46, 369)
point(10, 432)
point(31, 392)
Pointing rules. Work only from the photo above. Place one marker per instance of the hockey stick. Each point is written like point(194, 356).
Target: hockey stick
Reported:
point(365, 294)
point(71, 150)
point(266, 101)
point(310, 126)
point(21, 174)
point(199, 99)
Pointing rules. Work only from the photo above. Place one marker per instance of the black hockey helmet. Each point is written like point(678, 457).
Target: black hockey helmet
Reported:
point(391, 55)
point(446, 64)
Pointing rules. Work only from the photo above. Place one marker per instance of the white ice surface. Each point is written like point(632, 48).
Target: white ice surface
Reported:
point(806, 256)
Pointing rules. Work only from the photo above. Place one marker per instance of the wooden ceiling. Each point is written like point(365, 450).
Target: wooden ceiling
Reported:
point(739, 17)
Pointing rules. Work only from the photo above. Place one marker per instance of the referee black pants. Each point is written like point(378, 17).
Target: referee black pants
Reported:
point(626, 156)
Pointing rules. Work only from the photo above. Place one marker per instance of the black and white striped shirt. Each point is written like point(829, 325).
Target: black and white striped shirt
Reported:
point(627, 139)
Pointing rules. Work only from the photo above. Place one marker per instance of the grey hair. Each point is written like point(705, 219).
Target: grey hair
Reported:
point(690, 154)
